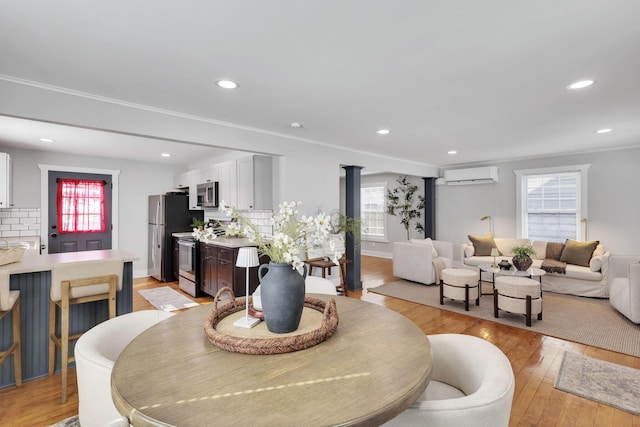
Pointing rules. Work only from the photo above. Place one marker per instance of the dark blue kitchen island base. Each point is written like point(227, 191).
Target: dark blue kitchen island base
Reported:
point(34, 321)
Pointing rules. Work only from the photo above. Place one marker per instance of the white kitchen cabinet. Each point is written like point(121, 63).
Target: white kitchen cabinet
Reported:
point(227, 183)
point(6, 196)
point(210, 174)
point(255, 182)
point(189, 179)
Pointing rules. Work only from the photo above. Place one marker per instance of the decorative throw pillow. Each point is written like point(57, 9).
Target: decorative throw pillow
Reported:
point(578, 253)
point(483, 245)
point(434, 253)
point(469, 250)
point(599, 251)
point(426, 242)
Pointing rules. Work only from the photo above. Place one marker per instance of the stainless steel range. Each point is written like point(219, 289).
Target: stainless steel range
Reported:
point(188, 266)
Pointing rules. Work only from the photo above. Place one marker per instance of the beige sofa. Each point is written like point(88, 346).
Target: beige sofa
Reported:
point(420, 260)
point(591, 281)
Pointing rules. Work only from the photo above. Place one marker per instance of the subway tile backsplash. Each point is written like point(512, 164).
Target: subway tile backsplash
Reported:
point(262, 219)
point(17, 222)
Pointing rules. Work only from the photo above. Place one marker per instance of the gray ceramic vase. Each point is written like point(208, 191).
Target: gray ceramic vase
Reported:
point(282, 296)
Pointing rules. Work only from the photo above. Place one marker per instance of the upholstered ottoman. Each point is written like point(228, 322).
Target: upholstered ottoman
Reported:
point(517, 295)
point(459, 284)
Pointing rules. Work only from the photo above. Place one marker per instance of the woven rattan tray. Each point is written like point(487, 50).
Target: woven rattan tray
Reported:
point(259, 340)
point(9, 254)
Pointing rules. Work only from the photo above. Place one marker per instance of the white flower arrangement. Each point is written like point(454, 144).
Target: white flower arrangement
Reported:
point(207, 233)
point(291, 236)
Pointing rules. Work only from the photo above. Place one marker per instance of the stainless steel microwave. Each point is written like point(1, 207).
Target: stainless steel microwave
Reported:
point(208, 195)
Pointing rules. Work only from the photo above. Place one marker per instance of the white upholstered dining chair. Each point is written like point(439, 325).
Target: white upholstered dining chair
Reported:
point(96, 352)
point(318, 285)
point(472, 384)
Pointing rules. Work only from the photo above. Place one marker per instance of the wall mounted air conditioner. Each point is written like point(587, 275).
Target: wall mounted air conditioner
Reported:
point(483, 175)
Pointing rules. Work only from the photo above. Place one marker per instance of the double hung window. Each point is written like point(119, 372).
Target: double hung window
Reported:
point(552, 203)
point(373, 212)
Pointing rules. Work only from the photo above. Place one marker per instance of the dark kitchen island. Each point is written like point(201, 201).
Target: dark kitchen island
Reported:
point(32, 277)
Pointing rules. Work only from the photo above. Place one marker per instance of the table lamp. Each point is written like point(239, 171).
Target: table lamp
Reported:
point(494, 254)
point(247, 258)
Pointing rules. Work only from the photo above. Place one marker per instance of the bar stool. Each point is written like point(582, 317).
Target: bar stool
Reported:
point(77, 283)
point(10, 303)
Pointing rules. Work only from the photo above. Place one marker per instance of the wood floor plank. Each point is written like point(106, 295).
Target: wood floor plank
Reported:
point(535, 360)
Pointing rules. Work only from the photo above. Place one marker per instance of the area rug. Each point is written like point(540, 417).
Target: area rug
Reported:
point(605, 382)
point(590, 321)
point(69, 422)
point(166, 299)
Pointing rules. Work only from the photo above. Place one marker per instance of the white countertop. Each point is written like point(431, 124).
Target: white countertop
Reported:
point(183, 234)
point(35, 263)
point(233, 242)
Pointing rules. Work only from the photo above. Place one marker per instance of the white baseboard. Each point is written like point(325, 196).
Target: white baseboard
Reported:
point(378, 254)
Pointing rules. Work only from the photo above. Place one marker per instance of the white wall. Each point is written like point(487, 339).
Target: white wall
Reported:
point(137, 181)
point(395, 230)
point(613, 201)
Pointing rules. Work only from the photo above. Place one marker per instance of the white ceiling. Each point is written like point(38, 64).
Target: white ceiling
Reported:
point(486, 78)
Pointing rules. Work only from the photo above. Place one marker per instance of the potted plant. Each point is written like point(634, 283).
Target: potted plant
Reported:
point(197, 223)
point(400, 202)
point(522, 257)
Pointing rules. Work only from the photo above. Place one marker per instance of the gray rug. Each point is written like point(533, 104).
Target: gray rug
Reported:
point(590, 321)
point(605, 382)
point(166, 299)
point(69, 422)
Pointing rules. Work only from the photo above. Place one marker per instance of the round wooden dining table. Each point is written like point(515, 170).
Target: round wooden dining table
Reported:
point(374, 366)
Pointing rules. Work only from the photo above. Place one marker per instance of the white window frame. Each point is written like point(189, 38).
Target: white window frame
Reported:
point(364, 235)
point(521, 199)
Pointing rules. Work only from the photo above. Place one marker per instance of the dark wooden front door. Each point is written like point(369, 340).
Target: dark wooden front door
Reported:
point(77, 242)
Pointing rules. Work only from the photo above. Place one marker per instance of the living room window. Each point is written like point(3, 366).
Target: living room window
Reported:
point(373, 212)
point(552, 203)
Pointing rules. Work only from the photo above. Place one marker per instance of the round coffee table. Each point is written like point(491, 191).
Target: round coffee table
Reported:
point(497, 271)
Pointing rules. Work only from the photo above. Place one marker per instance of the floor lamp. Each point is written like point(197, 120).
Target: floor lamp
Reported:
point(586, 228)
point(490, 223)
point(247, 258)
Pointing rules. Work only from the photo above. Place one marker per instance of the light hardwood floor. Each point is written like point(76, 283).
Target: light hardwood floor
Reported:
point(535, 359)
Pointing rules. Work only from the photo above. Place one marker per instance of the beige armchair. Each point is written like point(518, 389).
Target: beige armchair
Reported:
point(624, 285)
point(421, 260)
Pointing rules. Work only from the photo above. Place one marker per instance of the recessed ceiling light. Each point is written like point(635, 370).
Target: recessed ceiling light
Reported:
point(227, 84)
point(581, 84)
point(452, 152)
point(46, 140)
point(607, 130)
point(295, 125)
point(383, 132)
point(165, 155)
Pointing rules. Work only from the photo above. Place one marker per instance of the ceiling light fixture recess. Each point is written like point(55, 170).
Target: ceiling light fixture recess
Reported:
point(295, 125)
point(581, 84)
point(227, 84)
point(452, 152)
point(607, 130)
point(46, 140)
point(165, 155)
point(383, 132)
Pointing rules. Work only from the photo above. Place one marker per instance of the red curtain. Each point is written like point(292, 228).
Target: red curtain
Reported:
point(80, 206)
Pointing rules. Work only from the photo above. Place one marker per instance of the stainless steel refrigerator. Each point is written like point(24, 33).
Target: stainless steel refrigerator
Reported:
point(168, 214)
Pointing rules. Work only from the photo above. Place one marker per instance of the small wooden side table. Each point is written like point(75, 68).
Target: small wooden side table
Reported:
point(326, 264)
